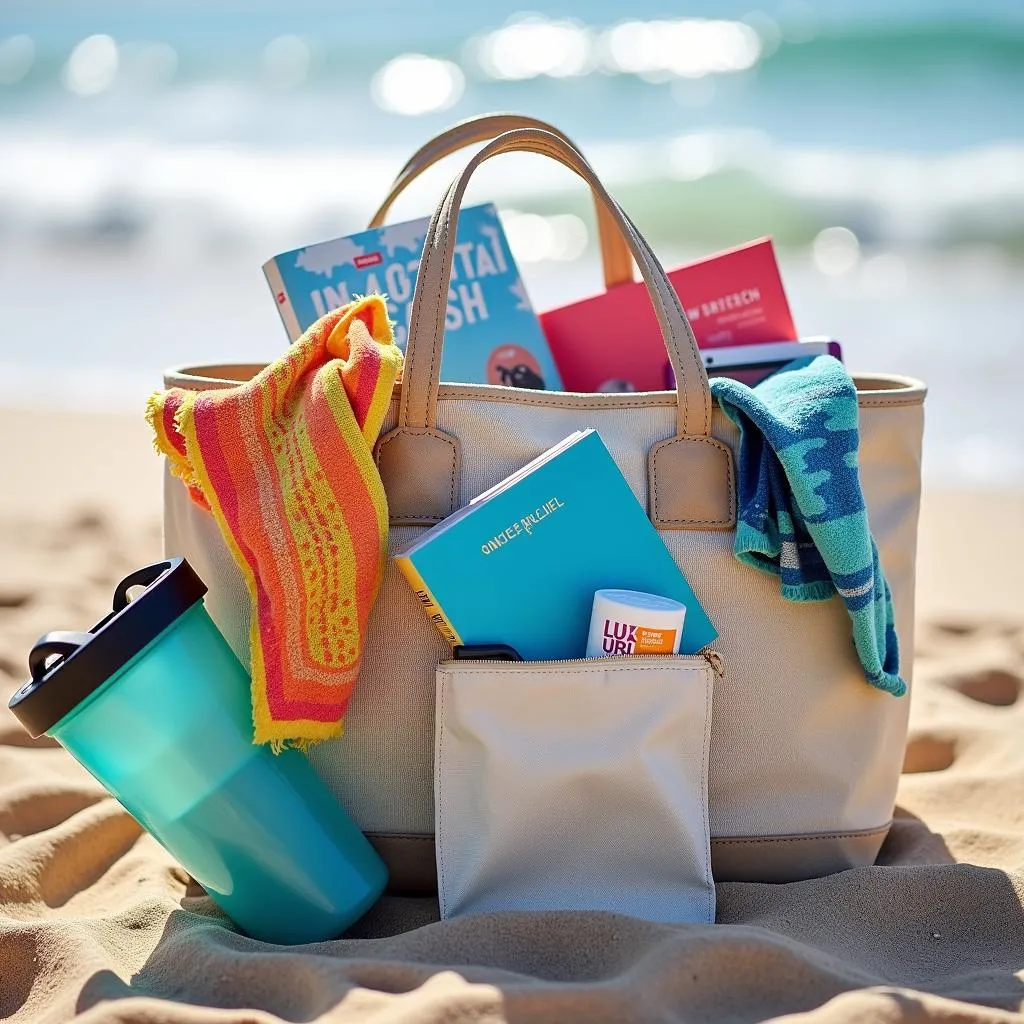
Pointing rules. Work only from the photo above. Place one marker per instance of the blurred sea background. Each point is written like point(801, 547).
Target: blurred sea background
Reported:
point(153, 156)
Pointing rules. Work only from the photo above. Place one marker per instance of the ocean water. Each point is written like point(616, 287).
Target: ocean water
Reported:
point(153, 156)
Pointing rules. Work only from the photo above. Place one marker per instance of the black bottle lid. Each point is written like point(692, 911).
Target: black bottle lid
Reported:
point(67, 667)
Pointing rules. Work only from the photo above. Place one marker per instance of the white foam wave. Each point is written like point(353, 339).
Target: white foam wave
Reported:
point(58, 184)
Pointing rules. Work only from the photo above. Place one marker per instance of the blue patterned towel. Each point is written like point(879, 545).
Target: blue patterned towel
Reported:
point(800, 510)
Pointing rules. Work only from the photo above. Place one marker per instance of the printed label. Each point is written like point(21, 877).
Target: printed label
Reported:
point(654, 641)
point(625, 638)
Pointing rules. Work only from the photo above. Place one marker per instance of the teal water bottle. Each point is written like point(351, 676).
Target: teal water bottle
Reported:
point(153, 702)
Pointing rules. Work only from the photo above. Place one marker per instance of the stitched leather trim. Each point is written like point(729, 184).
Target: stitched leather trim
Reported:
point(894, 390)
point(906, 391)
point(405, 837)
point(404, 516)
point(811, 837)
point(793, 857)
point(557, 399)
point(411, 859)
point(879, 403)
point(910, 393)
point(725, 483)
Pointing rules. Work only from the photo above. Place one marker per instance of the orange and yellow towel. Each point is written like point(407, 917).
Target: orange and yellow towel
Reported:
point(284, 463)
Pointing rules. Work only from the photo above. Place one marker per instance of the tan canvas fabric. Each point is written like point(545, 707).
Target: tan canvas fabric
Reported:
point(801, 746)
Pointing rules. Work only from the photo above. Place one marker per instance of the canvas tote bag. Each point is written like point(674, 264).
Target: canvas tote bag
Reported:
point(804, 754)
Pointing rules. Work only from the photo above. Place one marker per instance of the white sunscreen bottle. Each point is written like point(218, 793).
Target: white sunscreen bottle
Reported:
point(627, 622)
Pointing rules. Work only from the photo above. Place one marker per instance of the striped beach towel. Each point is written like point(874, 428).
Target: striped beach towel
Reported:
point(284, 464)
point(800, 510)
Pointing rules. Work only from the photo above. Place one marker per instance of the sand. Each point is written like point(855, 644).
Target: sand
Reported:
point(95, 919)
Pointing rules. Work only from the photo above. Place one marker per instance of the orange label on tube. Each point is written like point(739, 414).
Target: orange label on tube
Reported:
point(654, 641)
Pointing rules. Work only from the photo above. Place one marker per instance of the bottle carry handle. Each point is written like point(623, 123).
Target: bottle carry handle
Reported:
point(144, 577)
point(60, 643)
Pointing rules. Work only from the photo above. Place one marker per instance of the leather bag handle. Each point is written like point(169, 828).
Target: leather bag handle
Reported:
point(421, 376)
point(689, 476)
point(616, 259)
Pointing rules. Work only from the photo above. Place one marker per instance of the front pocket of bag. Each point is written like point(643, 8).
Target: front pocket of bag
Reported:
point(574, 786)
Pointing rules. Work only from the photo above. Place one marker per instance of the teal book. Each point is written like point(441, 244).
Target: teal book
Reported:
point(519, 564)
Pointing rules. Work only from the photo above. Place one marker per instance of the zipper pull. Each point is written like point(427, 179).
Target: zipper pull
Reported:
point(715, 660)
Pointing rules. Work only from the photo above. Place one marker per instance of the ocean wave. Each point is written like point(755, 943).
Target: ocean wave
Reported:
point(704, 188)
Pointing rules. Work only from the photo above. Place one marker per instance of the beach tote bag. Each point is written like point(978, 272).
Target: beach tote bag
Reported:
point(804, 755)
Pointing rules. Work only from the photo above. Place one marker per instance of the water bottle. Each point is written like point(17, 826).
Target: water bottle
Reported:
point(155, 705)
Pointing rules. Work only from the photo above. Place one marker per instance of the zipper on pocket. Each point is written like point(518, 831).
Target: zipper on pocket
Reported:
point(714, 659)
point(709, 654)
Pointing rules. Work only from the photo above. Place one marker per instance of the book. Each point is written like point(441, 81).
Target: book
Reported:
point(492, 334)
point(520, 564)
point(612, 341)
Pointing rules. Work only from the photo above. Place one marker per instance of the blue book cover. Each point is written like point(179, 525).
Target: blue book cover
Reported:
point(492, 334)
point(519, 565)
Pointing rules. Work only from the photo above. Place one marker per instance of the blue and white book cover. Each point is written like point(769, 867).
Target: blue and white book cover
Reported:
point(492, 334)
point(520, 564)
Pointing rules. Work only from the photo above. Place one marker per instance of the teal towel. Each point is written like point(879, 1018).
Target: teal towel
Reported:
point(800, 511)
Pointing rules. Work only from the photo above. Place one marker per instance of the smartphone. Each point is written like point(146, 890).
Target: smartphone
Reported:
point(751, 364)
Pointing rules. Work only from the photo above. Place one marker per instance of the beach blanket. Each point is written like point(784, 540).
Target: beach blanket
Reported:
point(800, 511)
point(284, 462)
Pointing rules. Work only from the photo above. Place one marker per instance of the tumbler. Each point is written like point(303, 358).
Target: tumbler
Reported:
point(156, 706)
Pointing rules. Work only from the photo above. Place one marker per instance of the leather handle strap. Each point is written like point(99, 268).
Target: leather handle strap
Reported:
point(421, 376)
point(616, 259)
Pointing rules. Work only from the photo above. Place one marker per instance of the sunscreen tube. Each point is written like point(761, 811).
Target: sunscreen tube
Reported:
point(626, 622)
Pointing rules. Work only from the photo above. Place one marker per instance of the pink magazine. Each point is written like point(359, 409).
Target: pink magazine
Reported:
point(733, 298)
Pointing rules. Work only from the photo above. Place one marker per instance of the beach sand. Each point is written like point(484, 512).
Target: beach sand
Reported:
point(96, 919)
